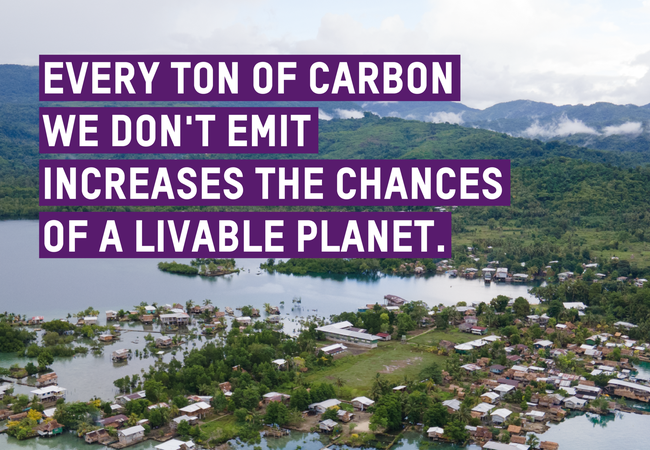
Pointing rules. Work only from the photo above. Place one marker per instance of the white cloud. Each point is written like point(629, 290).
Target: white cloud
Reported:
point(442, 117)
point(564, 127)
point(562, 52)
point(322, 115)
point(626, 128)
point(349, 113)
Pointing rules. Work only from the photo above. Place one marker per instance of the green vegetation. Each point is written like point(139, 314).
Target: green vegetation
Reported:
point(179, 268)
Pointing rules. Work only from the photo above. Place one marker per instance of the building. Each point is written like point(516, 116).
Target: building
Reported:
point(47, 380)
point(106, 337)
point(131, 435)
point(100, 436)
point(500, 415)
point(199, 410)
point(121, 355)
point(275, 397)
point(49, 429)
point(113, 422)
point(324, 405)
point(189, 419)
point(111, 315)
point(394, 300)
point(175, 318)
point(575, 403)
point(37, 320)
point(49, 394)
point(175, 444)
point(435, 432)
point(327, 425)
point(90, 320)
point(164, 342)
point(334, 349)
point(340, 332)
point(362, 403)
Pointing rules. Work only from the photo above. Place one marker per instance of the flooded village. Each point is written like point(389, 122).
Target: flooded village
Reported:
point(498, 374)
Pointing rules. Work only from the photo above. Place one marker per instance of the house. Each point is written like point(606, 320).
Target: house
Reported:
point(362, 403)
point(121, 355)
point(124, 399)
point(500, 415)
point(481, 410)
point(504, 389)
point(435, 432)
point(114, 421)
point(574, 402)
point(199, 410)
point(575, 305)
point(164, 342)
point(189, 419)
point(105, 337)
point(131, 435)
point(394, 300)
point(175, 318)
point(535, 415)
point(146, 318)
point(493, 445)
point(334, 349)
point(175, 444)
point(49, 394)
point(490, 397)
point(514, 429)
point(275, 397)
point(543, 343)
point(384, 336)
point(497, 368)
point(479, 330)
point(548, 445)
point(452, 405)
point(90, 320)
point(280, 364)
point(100, 436)
point(49, 429)
point(37, 320)
point(344, 416)
point(225, 387)
point(111, 315)
point(327, 425)
point(47, 379)
point(324, 405)
point(243, 320)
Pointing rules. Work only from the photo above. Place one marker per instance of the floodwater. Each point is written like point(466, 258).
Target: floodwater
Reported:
point(54, 288)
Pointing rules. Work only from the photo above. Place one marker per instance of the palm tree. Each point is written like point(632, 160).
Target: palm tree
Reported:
point(207, 302)
point(267, 307)
point(188, 305)
point(532, 440)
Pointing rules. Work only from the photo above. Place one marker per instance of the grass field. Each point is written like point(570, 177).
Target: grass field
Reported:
point(636, 252)
point(454, 336)
point(221, 428)
point(393, 360)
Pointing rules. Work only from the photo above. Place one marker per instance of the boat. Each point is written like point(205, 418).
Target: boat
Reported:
point(453, 273)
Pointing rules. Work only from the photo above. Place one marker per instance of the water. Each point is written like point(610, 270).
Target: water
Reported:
point(53, 288)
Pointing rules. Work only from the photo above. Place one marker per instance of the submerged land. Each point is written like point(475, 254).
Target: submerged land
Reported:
point(485, 373)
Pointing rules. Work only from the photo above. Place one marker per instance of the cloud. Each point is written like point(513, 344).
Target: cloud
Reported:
point(564, 127)
point(322, 115)
point(349, 113)
point(626, 128)
point(442, 117)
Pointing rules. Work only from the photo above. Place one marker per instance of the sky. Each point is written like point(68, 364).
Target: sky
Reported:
point(560, 52)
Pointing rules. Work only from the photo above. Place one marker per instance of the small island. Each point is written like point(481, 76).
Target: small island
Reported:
point(205, 267)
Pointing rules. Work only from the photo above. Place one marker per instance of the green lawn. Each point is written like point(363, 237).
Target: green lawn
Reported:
point(221, 428)
point(454, 336)
point(393, 359)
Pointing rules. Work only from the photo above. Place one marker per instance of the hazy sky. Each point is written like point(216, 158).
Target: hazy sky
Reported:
point(553, 51)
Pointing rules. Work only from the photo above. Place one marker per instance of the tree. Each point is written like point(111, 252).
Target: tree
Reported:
point(404, 324)
point(521, 307)
point(300, 399)
point(500, 303)
point(276, 412)
point(433, 372)
point(436, 416)
point(45, 359)
point(456, 431)
point(331, 413)
point(184, 428)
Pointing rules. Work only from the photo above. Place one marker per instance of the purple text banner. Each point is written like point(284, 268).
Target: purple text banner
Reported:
point(178, 130)
point(249, 78)
point(244, 235)
point(274, 182)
